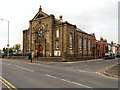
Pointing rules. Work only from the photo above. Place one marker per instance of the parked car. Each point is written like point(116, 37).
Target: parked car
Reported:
point(2, 55)
point(109, 56)
point(118, 56)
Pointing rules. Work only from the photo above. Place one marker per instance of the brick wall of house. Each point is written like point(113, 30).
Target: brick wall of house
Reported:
point(102, 49)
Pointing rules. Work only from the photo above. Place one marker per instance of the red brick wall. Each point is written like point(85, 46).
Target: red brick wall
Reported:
point(102, 49)
point(93, 43)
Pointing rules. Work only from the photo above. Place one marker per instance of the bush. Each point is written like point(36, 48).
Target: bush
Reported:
point(11, 54)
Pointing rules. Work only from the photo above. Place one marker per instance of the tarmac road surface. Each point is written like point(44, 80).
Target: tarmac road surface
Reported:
point(58, 75)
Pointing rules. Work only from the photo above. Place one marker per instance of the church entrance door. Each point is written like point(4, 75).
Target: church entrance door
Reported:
point(40, 50)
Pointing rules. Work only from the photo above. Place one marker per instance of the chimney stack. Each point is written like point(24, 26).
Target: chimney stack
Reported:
point(105, 40)
point(112, 42)
point(101, 39)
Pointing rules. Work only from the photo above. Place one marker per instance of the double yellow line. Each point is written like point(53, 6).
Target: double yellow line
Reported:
point(7, 84)
point(102, 71)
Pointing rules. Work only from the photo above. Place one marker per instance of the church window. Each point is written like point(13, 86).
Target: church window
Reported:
point(28, 37)
point(41, 32)
point(80, 43)
point(85, 44)
point(57, 33)
point(57, 45)
point(89, 44)
point(70, 39)
point(28, 46)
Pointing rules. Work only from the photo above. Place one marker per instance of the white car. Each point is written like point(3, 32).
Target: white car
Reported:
point(109, 56)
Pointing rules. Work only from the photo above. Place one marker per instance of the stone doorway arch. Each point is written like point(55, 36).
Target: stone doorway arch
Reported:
point(40, 50)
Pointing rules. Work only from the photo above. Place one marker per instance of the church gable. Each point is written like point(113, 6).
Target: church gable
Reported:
point(40, 14)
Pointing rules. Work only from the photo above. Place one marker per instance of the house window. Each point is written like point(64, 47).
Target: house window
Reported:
point(85, 44)
point(57, 33)
point(80, 43)
point(70, 37)
point(57, 45)
point(89, 44)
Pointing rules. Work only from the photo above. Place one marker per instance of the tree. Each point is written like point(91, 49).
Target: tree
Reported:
point(106, 49)
point(11, 50)
point(4, 49)
point(0, 51)
point(17, 47)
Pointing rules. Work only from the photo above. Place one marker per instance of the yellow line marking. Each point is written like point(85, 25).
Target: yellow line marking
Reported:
point(8, 83)
point(100, 72)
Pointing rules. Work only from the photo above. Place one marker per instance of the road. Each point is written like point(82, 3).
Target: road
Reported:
point(58, 75)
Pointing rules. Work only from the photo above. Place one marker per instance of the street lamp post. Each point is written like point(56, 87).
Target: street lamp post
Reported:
point(8, 37)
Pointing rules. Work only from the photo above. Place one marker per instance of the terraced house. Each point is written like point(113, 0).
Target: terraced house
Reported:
point(48, 37)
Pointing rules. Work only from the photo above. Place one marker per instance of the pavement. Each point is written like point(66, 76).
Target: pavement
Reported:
point(42, 74)
point(113, 71)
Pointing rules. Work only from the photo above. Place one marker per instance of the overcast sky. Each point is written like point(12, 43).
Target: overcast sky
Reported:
point(92, 16)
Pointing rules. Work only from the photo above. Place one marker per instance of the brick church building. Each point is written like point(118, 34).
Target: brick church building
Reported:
point(48, 37)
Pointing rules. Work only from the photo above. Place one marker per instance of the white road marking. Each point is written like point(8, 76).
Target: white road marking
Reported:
point(76, 83)
point(85, 71)
point(69, 81)
point(5, 64)
point(82, 71)
point(50, 76)
point(24, 68)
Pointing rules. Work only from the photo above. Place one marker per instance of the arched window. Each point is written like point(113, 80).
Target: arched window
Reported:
point(70, 39)
point(85, 44)
point(80, 43)
point(57, 45)
point(89, 44)
point(57, 33)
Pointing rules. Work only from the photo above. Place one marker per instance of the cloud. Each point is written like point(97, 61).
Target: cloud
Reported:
point(99, 16)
